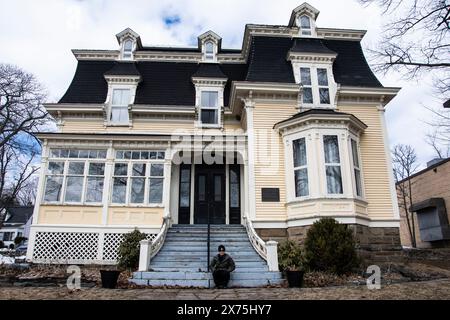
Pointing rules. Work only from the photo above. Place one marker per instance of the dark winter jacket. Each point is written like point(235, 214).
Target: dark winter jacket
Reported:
point(226, 263)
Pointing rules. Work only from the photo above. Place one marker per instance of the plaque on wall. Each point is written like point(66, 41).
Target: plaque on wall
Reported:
point(270, 194)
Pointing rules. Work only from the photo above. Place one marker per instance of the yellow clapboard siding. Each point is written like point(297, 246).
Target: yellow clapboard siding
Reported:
point(374, 162)
point(269, 158)
point(54, 214)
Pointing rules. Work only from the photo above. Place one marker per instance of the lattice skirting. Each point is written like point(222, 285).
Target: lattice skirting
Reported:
point(77, 247)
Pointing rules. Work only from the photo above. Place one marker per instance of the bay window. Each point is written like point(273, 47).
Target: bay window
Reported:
point(356, 168)
point(74, 176)
point(332, 164)
point(300, 168)
point(138, 178)
point(119, 106)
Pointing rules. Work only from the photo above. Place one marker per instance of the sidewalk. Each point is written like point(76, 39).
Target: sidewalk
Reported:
point(436, 289)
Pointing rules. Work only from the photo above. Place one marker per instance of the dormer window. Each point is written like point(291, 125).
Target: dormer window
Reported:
point(209, 51)
point(127, 49)
point(209, 108)
point(305, 26)
point(119, 106)
point(315, 86)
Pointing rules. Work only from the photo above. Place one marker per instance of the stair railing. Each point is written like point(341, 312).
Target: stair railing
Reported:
point(208, 240)
point(267, 250)
point(149, 248)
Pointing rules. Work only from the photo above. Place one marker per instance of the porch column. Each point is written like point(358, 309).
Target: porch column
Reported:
point(167, 179)
point(108, 182)
point(249, 107)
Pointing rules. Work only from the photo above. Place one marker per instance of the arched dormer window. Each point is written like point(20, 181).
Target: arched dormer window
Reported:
point(209, 51)
point(127, 52)
point(305, 25)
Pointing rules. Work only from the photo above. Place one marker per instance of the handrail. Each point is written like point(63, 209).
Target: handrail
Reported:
point(255, 240)
point(209, 240)
point(158, 242)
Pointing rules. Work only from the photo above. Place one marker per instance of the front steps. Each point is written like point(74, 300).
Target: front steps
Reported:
point(182, 260)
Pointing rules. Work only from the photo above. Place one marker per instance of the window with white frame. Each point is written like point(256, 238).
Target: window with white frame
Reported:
point(209, 51)
point(127, 52)
point(305, 80)
point(209, 107)
point(332, 164)
point(322, 81)
point(300, 167)
point(315, 86)
point(75, 176)
point(119, 106)
point(356, 168)
point(138, 178)
point(305, 25)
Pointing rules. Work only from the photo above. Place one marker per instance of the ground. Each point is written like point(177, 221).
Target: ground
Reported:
point(420, 275)
point(434, 289)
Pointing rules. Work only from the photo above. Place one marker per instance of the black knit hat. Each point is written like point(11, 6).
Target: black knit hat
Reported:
point(221, 248)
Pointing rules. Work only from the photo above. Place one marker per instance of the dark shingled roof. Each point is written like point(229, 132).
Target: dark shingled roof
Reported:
point(310, 45)
point(170, 83)
point(19, 215)
point(209, 70)
point(123, 69)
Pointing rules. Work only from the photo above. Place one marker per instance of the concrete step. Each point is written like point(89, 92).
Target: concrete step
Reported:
point(187, 275)
point(195, 264)
point(203, 268)
point(208, 283)
point(237, 259)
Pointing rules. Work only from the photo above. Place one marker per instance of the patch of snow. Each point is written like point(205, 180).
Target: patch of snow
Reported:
point(6, 260)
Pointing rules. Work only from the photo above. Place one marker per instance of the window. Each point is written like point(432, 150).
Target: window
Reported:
point(185, 186)
point(305, 25)
point(127, 49)
point(234, 187)
point(138, 178)
point(305, 80)
point(209, 107)
point(300, 168)
point(322, 80)
point(356, 168)
point(209, 51)
point(315, 85)
point(76, 174)
point(332, 164)
point(8, 236)
point(119, 106)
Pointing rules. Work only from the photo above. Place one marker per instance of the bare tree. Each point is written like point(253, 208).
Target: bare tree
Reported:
point(415, 40)
point(27, 194)
point(405, 164)
point(21, 117)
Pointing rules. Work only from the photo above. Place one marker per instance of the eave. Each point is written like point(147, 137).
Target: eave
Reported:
point(383, 94)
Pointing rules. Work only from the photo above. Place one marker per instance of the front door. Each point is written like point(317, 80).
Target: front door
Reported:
point(209, 196)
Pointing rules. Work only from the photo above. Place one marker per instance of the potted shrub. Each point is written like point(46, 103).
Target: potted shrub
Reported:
point(128, 259)
point(291, 262)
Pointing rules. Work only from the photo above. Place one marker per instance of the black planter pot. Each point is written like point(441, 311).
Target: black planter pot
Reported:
point(295, 278)
point(109, 278)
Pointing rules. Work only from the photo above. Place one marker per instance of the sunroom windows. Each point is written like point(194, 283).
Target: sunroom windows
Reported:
point(75, 176)
point(138, 178)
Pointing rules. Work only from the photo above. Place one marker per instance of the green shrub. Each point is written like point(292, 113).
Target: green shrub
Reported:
point(330, 246)
point(128, 251)
point(290, 256)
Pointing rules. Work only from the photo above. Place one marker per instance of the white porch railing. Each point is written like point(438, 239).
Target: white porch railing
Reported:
point(149, 248)
point(267, 250)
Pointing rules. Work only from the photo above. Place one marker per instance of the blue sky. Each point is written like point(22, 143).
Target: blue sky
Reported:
point(38, 36)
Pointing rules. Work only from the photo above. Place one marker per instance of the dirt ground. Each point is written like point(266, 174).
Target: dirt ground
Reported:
point(434, 289)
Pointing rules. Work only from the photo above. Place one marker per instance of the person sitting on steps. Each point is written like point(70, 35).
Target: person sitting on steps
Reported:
point(221, 266)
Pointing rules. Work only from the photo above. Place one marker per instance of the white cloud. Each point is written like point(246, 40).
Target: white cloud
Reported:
point(38, 36)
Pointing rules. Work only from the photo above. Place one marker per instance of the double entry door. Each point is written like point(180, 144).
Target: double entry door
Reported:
point(209, 194)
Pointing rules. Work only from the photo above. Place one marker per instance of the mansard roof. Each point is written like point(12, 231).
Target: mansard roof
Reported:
point(170, 82)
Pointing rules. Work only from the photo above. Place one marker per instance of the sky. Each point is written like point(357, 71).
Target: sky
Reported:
point(38, 37)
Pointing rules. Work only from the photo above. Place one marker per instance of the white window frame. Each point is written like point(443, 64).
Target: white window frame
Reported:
point(324, 165)
point(206, 57)
point(294, 168)
point(332, 86)
point(108, 104)
point(123, 52)
point(66, 174)
point(129, 177)
point(359, 168)
point(312, 24)
point(220, 91)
